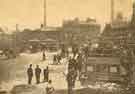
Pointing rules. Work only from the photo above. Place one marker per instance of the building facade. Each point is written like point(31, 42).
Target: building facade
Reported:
point(80, 32)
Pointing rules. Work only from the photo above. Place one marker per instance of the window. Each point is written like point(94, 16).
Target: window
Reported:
point(102, 68)
point(90, 68)
point(113, 69)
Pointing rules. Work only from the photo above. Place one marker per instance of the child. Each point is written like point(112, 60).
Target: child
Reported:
point(49, 88)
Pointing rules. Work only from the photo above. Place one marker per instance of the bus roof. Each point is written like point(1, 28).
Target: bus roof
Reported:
point(104, 60)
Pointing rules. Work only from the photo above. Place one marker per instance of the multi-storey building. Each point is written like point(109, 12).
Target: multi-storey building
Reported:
point(76, 31)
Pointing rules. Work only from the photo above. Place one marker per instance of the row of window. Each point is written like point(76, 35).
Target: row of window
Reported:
point(103, 68)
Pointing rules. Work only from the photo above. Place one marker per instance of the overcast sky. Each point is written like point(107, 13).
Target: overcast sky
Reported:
point(30, 12)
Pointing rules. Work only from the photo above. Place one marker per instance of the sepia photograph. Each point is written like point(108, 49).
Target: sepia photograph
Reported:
point(67, 46)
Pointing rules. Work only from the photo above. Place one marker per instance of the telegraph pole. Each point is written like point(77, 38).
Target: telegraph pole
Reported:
point(44, 17)
point(112, 10)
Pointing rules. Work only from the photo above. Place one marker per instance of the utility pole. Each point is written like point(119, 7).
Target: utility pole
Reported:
point(44, 17)
point(15, 40)
point(112, 10)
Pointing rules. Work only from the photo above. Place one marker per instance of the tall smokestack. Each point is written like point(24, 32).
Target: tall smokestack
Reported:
point(44, 17)
point(112, 10)
point(17, 27)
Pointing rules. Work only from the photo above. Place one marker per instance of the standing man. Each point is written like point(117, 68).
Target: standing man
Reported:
point(44, 56)
point(70, 64)
point(79, 64)
point(70, 81)
point(46, 74)
point(30, 74)
point(58, 58)
point(54, 59)
point(37, 74)
point(86, 52)
point(75, 50)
